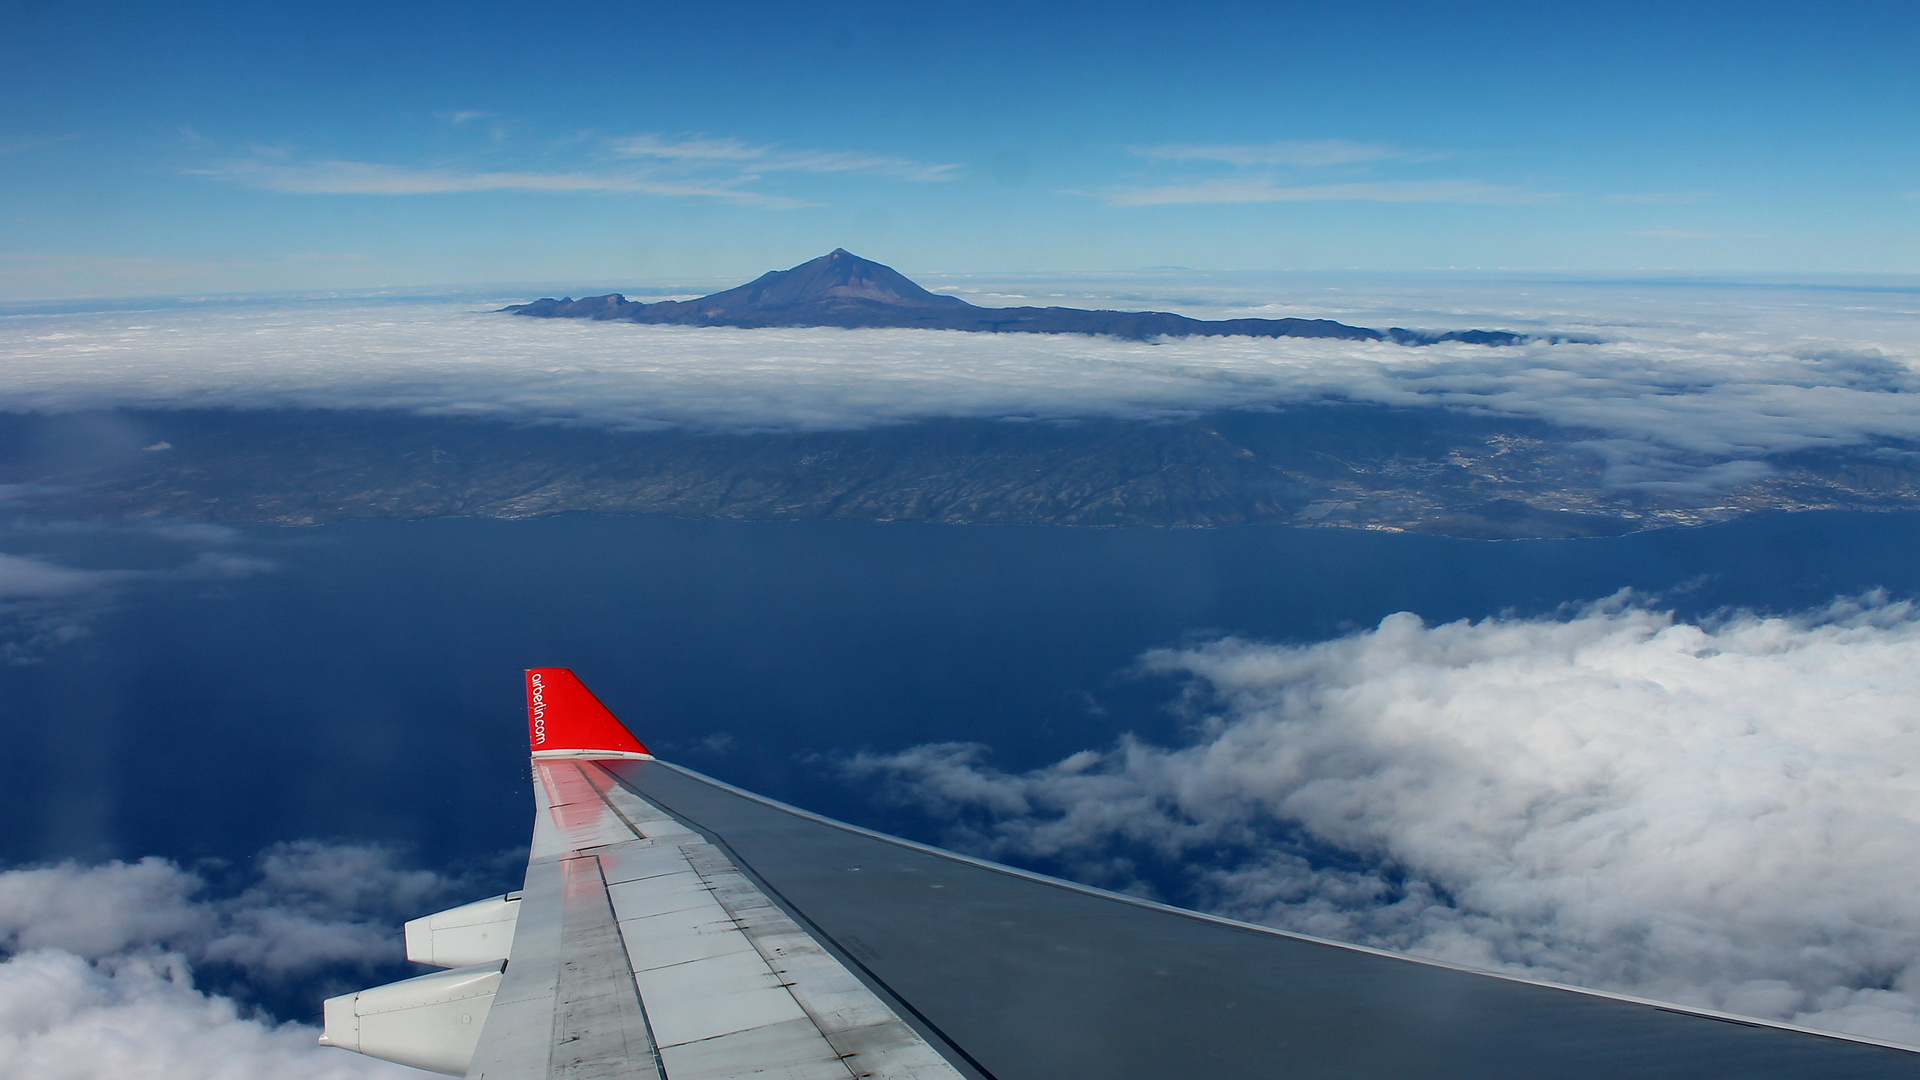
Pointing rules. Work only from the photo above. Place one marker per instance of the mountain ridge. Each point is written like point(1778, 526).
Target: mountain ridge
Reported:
point(841, 289)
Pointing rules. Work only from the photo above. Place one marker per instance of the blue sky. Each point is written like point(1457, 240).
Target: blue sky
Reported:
point(189, 147)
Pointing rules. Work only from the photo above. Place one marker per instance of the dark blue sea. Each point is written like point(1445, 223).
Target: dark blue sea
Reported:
point(367, 684)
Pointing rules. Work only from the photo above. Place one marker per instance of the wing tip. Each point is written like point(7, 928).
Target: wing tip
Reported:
point(564, 719)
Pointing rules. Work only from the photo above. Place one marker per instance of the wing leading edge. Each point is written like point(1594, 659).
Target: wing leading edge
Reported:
point(673, 926)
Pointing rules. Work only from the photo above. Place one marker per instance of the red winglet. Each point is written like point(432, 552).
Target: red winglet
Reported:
point(563, 717)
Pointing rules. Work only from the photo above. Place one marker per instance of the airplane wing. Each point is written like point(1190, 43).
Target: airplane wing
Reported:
point(673, 927)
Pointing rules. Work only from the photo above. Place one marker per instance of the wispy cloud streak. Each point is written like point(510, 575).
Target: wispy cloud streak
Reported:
point(1697, 234)
point(370, 178)
point(1296, 171)
point(1253, 190)
point(700, 168)
point(44, 604)
point(1314, 153)
point(763, 159)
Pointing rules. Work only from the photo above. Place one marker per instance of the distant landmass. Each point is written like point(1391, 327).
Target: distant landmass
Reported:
point(844, 290)
point(1315, 464)
point(1319, 465)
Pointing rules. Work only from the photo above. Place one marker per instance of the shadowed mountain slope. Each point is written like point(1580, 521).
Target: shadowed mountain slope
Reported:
point(842, 289)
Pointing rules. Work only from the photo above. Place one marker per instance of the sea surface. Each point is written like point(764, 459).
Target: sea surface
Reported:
point(215, 691)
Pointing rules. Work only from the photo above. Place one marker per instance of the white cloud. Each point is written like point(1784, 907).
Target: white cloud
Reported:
point(98, 976)
point(762, 159)
point(25, 577)
point(690, 149)
point(44, 604)
point(98, 911)
point(62, 1018)
point(1722, 815)
point(1257, 190)
point(309, 906)
point(1656, 198)
point(1309, 153)
point(1690, 389)
point(1348, 156)
point(698, 168)
point(1697, 234)
point(370, 178)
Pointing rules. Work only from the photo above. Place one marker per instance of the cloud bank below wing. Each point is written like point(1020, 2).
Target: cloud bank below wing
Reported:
point(99, 969)
point(1720, 815)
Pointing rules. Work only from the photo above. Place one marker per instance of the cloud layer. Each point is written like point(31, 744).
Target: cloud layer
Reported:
point(62, 1018)
point(98, 976)
point(1686, 389)
point(1723, 815)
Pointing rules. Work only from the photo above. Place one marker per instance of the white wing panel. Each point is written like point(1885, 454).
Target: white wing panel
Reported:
point(665, 894)
point(716, 996)
point(795, 1045)
point(632, 862)
point(643, 952)
point(682, 937)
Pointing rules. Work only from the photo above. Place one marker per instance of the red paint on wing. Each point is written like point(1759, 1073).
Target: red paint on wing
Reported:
point(562, 714)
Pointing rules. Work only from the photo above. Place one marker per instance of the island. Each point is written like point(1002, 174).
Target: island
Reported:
point(841, 289)
point(1321, 465)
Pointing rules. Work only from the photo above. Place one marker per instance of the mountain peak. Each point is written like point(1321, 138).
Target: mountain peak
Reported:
point(838, 278)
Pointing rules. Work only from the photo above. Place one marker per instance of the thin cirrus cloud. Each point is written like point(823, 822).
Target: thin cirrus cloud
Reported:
point(1244, 184)
point(1697, 234)
point(699, 168)
point(372, 178)
point(763, 159)
point(1306, 153)
point(1263, 190)
point(1656, 198)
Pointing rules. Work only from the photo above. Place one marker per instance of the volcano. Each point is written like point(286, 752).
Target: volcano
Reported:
point(844, 290)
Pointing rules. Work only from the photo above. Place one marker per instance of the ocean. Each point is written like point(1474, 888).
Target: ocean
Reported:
point(200, 693)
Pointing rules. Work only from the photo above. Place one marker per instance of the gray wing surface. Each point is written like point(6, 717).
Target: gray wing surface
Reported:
point(1013, 976)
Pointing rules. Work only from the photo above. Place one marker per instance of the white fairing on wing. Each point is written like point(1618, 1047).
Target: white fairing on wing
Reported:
point(640, 950)
point(431, 1022)
point(469, 934)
